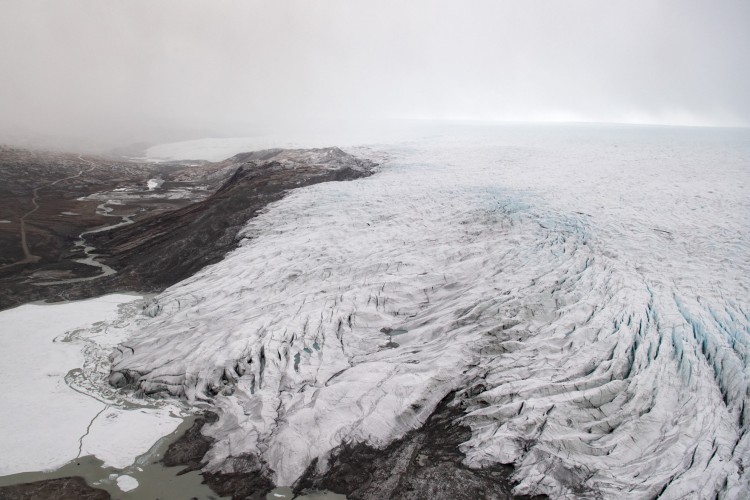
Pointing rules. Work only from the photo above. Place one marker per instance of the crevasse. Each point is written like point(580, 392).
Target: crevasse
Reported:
point(585, 291)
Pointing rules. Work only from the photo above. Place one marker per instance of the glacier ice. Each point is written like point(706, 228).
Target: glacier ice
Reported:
point(584, 289)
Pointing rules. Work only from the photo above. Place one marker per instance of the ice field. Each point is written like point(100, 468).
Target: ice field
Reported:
point(584, 289)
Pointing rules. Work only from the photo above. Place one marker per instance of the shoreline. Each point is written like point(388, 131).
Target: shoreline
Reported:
point(151, 478)
point(159, 471)
point(149, 254)
point(59, 422)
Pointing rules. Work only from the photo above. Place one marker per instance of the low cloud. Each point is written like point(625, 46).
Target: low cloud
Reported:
point(110, 73)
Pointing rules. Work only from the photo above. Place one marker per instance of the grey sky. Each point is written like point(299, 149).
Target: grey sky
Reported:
point(142, 70)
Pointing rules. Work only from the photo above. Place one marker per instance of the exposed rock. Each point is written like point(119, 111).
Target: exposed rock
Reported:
point(171, 236)
point(188, 449)
point(426, 463)
point(246, 482)
point(239, 485)
point(66, 488)
point(161, 250)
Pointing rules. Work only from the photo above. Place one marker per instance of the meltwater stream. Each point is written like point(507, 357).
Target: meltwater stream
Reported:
point(584, 289)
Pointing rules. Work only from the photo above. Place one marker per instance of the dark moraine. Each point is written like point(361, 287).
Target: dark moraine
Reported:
point(168, 243)
point(67, 488)
point(169, 240)
point(426, 463)
point(189, 450)
point(161, 250)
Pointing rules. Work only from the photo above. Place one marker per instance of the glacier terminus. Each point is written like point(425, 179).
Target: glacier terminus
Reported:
point(581, 293)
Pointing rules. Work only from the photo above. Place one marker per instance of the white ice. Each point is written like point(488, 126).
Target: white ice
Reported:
point(127, 483)
point(211, 149)
point(118, 435)
point(220, 148)
point(47, 422)
point(585, 288)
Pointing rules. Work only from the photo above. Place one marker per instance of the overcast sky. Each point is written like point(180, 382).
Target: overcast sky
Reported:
point(143, 70)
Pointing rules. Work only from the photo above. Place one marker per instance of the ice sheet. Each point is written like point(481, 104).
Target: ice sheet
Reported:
point(585, 287)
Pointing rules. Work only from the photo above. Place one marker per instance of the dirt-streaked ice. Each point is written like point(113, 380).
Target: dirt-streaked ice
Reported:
point(585, 288)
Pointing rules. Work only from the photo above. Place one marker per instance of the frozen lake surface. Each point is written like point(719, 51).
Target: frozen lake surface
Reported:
point(54, 411)
point(585, 287)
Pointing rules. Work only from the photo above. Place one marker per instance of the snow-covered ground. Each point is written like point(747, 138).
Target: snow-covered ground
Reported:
point(586, 286)
point(52, 362)
point(221, 148)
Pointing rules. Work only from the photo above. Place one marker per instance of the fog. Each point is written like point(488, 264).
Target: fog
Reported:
point(103, 74)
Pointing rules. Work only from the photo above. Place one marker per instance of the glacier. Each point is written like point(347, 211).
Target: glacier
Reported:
point(583, 290)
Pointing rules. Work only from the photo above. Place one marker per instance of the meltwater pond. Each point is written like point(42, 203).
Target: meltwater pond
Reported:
point(585, 289)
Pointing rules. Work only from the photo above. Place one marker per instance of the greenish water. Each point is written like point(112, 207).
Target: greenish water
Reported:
point(286, 493)
point(155, 481)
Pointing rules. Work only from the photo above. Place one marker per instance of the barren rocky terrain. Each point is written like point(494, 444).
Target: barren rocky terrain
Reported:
point(75, 227)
